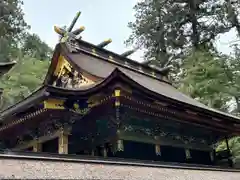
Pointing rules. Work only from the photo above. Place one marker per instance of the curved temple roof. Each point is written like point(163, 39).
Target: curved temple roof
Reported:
point(117, 74)
point(98, 64)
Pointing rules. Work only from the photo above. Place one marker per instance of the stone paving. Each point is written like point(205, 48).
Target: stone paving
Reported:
point(20, 168)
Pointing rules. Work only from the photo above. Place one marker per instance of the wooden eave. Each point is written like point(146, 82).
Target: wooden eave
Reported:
point(115, 77)
point(100, 66)
point(48, 90)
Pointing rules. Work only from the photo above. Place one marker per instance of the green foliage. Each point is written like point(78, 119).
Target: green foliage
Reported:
point(229, 14)
point(24, 78)
point(35, 47)
point(12, 28)
point(204, 78)
point(182, 33)
point(234, 146)
point(29, 72)
point(213, 79)
point(167, 29)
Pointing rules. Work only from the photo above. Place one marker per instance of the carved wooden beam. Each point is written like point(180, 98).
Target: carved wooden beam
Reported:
point(137, 137)
point(41, 139)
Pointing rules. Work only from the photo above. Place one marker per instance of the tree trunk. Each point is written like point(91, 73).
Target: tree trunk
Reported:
point(161, 52)
point(194, 22)
point(237, 99)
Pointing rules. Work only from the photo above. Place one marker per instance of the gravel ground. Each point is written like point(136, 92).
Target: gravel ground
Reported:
point(21, 168)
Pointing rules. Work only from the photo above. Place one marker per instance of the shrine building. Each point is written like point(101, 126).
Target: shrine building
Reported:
point(95, 102)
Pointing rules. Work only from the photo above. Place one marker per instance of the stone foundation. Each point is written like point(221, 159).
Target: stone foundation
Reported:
point(12, 166)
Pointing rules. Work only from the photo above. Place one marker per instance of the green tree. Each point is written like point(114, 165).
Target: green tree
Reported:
point(12, 27)
point(234, 146)
point(35, 47)
point(214, 79)
point(25, 77)
point(204, 78)
point(232, 70)
point(229, 14)
point(168, 29)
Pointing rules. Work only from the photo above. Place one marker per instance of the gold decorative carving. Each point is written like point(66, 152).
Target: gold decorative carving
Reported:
point(157, 146)
point(120, 146)
point(79, 80)
point(62, 66)
point(158, 150)
point(67, 77)
point(188, 154)
point(117, 92)
point(73, 80)
point(37, 146)
point(54, 104)
point(63, 142)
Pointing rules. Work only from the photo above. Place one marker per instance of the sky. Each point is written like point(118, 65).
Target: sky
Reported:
point(102, 19)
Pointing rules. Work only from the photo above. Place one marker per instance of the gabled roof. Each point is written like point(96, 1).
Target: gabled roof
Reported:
point(102, 63)
point(94, 60)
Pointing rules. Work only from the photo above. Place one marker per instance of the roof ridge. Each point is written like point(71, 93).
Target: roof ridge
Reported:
point(160, 70)
point(113, 58)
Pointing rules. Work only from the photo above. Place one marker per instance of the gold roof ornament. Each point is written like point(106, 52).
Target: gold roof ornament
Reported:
point(68, 33)
point(79, 30)
point(104, 43)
